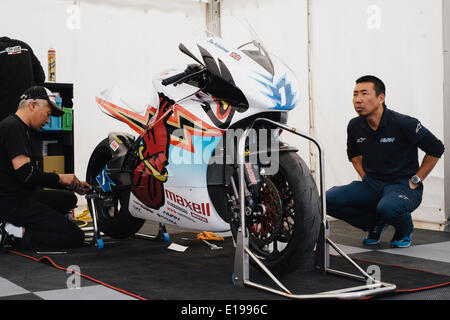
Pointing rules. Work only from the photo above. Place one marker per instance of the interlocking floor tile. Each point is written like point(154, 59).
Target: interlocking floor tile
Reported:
point(96, 292)
point(7, 288)
point(434, 251)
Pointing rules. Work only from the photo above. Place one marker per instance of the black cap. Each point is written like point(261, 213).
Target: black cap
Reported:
point(39, 92)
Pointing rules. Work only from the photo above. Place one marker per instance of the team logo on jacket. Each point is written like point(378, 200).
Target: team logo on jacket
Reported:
point(387, 140)
point(419, 126)
point(360, 140)
point(14, 50)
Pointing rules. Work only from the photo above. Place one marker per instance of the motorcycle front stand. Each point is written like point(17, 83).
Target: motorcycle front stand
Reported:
point(241, 274)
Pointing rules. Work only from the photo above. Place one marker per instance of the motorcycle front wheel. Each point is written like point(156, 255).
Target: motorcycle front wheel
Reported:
point(114, 219)
point(284, 236)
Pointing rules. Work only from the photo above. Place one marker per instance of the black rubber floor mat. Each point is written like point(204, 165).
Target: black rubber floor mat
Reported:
point(151, 270)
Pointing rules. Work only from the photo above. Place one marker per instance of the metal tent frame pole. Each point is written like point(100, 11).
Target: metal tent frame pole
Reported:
point(446, 88)
point(241, 275)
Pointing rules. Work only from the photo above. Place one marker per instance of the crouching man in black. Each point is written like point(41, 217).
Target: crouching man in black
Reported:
point(35, 218)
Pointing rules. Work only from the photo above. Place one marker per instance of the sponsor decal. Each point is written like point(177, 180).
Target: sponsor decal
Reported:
point(200, 208)
point(182, 215)
point(201, 218)
point(166, 217)
point(235, 56)
point(171, 215)
point(140, 208)
point(114, 145)
point(218, 45)
point(176, 207)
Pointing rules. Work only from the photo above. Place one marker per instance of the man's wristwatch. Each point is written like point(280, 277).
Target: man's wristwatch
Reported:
point(416, 180)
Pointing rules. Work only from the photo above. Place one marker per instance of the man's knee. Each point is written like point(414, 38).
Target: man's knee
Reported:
point(335, 202)
point(70, 198)
point(391, 210)
point(338, 197)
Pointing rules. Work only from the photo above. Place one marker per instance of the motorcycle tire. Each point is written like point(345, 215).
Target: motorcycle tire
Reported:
point(114, 219)
point(293, 245)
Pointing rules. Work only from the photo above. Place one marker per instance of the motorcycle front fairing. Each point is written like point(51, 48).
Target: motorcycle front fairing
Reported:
point(180, 130)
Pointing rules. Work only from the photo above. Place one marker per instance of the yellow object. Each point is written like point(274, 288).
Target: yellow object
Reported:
point(85, 216)
point(205, 235)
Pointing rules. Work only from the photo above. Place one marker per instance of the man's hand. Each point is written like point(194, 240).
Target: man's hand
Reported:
point(83, 188)
point(357, 164)
point(412, 185)
point(71, 182)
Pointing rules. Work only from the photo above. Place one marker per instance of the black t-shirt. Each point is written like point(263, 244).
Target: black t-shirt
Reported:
point(15, 140)
point(391, 151)
point(19, 70)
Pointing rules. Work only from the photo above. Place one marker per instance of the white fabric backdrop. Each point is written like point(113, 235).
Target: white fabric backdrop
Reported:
point(98, 44)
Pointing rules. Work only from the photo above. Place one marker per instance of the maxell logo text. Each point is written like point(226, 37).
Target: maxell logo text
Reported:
point(202, 208)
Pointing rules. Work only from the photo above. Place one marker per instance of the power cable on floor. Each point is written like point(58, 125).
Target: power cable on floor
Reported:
point(78, 273)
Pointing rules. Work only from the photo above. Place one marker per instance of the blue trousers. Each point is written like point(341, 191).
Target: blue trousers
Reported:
point(368, 202)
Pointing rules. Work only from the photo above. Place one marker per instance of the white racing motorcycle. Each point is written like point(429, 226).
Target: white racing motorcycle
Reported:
point(182, 169)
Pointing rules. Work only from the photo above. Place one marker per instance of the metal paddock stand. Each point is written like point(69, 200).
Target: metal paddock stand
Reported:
point(97, 241)
point(241, 276)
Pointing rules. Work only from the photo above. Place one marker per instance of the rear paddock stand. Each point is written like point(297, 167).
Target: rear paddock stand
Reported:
point(241, 275)
point(97, 241)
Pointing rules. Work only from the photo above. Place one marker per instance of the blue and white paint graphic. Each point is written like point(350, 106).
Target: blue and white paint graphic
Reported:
point(104, 180)
point(183, 164)
point(280, 92)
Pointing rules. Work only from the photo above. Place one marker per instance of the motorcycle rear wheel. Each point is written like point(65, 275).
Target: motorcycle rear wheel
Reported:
point(114, 219)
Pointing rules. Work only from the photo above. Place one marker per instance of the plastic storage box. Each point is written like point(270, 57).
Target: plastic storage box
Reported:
point(67, 119)
point(55, 122)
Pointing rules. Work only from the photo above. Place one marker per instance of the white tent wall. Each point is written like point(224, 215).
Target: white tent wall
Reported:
point(113, 40)
point(399, 41)
point(108, 44)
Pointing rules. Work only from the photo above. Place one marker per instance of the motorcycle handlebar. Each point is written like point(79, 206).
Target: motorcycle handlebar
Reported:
point(191, 71)
point(173, 79)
